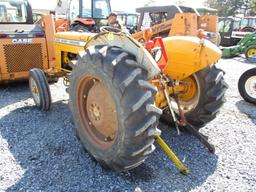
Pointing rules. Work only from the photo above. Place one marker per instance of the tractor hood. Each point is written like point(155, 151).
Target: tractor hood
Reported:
point(78, 41)
point(65, 37)
point(21, 31)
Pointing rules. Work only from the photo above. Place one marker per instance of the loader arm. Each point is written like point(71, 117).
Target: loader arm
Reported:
point(176, 26)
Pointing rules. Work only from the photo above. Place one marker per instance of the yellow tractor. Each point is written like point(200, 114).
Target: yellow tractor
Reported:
point(118, 87)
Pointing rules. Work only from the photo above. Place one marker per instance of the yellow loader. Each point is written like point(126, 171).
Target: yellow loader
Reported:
point(118, 88)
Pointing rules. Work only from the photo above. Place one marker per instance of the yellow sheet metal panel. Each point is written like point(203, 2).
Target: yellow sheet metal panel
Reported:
point(208, 23)
point(62, 48)
point(70, 42)
point(184, 24)
point(187, 55)
point(72, 35)
point(49, 29)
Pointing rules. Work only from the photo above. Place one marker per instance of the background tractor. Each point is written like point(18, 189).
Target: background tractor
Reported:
point(246, 46)
point(129, 20)
point(23, 44)
point(176, 20)
point(88, 21)
point(118, 87)
point(228, 29)
point(233, 29)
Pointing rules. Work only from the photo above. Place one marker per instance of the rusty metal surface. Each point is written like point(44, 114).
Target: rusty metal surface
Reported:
point(101, 110)
point(23, 57)
point(97, 112)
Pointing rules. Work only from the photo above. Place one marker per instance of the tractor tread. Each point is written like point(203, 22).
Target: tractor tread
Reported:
point(129, 79)
point(212, 98)
point(145, 126)
point(211, 102)
point(146, 85)
point(153, 109)
point(147, 95)
point(43, 86)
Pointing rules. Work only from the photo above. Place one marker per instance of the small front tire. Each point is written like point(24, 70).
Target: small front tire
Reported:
point(39, 89)
point(247, 86)
point(250, 52)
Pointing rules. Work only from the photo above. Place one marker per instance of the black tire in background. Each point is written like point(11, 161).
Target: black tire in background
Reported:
point(78, 27)
point(39, 89)
point(243, 87)
point(126, 81)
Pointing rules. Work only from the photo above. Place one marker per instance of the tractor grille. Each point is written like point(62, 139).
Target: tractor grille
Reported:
point(23, 57)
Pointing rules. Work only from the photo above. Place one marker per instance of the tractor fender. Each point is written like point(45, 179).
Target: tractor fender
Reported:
point(188, 55)
point(130, 45)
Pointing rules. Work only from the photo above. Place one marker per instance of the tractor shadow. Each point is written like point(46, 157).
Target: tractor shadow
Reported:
point(21, 88)
point(247, 109)
point(44, 145)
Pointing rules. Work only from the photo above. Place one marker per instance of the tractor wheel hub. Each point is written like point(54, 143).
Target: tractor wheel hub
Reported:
point(250, 87)
point(95, 111)
point(98, 112)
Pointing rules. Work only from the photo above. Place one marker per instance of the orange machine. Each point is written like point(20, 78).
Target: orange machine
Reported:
point(176, 21)
point(23, 44)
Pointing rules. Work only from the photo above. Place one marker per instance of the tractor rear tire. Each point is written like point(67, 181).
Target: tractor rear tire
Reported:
point(247, 86)
point(113, 107)
point(212, 90)
point(39, 89)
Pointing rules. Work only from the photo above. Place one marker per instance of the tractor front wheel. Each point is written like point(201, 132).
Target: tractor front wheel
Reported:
point(39, 89)
point(250, 53)
point(113, 107)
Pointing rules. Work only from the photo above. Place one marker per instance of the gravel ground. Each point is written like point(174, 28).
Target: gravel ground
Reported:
point(39, 152)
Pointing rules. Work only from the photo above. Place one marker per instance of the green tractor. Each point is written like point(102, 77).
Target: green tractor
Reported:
point(246, 46)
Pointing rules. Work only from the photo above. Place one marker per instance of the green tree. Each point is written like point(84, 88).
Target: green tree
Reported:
point(150, 2)
point(226, 7)
point(59, 3)
point(252, 5)
point(155, 2)
point(180, 2)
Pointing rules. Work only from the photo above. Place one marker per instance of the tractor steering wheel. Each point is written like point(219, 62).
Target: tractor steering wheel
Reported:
point(110, 29)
